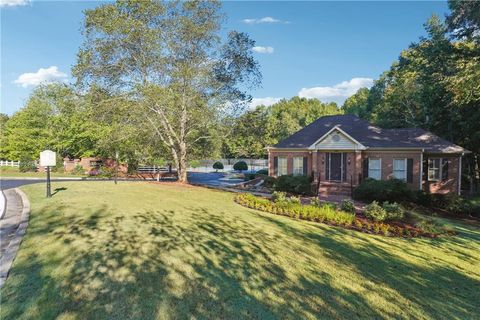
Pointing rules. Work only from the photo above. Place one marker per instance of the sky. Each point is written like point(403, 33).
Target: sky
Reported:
point(324, 50)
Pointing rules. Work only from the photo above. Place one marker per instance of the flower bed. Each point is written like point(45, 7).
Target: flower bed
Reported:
point(327, 214)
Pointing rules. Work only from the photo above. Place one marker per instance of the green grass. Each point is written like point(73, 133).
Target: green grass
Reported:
point(12, 172)
point(161, 251)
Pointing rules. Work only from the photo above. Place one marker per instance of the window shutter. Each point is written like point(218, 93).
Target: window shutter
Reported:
point(275, 166)
point(305, 161)
point(445, 163)
point(365, 168)
point(327, 166)
point(344, 164)
point(410, 170)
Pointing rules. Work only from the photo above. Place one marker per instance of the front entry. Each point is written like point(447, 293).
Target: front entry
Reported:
point(335, 166)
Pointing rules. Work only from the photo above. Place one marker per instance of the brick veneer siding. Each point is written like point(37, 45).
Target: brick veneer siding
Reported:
point(447, 186)
point(387, 164)
point(290, 155)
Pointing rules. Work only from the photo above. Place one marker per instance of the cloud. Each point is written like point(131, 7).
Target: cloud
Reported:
point(42, 75)
point(337, 93)
point(264, 20)
point(263, 101)
point(13, 3)
point(262, 49)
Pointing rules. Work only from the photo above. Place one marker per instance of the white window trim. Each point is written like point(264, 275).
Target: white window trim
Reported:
point(380, 169)
point(300, 173)
point(279, 173)
point(405, 170)
point(439, 170)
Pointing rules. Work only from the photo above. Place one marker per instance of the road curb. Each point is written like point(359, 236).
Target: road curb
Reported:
point(3, 204)
point(10, 253)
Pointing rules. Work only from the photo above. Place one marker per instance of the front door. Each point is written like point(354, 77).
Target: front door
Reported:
point(335, 166)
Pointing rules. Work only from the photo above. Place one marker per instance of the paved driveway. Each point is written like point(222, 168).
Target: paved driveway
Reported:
point(211, 179)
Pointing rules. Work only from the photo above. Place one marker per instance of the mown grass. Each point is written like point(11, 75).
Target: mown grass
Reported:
point(164, 251)
point(13, 172)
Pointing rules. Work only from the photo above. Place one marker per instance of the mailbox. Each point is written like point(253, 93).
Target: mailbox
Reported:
point(48, 158)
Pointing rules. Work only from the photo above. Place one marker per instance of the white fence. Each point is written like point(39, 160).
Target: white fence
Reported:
point(6, 163)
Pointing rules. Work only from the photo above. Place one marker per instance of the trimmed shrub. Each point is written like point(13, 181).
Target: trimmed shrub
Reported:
point(262, 172)
point(27, 165)
point(240, 166)
point(295, 200)
point(218, 166)
point(278, 196)
point(394, 211)
point(375, 212)
point(380, 190)
point(249, 176)
point(269, 181)
point(78, 170)
point(347, 205)
point(293, 184)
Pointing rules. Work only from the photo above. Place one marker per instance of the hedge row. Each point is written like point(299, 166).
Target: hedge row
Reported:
point(327, 214)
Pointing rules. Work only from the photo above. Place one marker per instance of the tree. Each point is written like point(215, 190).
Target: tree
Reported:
point(3, 124)
point(240, 166)
point(168, 57)
point(464, 20)
point(218, 166)
point(357, 104)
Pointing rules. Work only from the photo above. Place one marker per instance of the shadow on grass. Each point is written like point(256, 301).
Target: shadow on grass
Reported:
point(57, 190)
point(171, 264)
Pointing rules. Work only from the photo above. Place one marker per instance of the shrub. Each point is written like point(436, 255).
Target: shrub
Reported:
point(78, 170)
point(293, 184)
point(27, 165)
point(295, 200)
point(218, 166)
point(375, 212)
point(315, 202)
point(394, 210)
point(269, 182)
point(329, 205)
point(240, 166)
point(262, 172)
point(249, 176)
point(278, 196)
point(380, 190)
point(347, 205)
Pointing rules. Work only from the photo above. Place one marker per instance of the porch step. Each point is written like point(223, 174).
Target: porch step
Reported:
point(327, 189)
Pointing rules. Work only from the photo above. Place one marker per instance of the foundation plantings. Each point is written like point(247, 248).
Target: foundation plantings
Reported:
point(330, 214)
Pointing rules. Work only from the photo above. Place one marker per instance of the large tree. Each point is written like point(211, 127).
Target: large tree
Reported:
point(168, 57)
point(464, 20)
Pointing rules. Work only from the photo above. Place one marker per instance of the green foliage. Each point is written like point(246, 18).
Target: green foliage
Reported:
point(78, 170)
point(357, 104)
point(293, 184)
point(194, 163)
point(249, 176)
point(218, 165)
point(294, 200)
point(394, 210)
point(347, 206)
point(240, 166)
point(464, 19)
point(294, 209)
point(375, 212)
point(27, 165)
point(382, 190)
point(262, 172)
point(278, 196)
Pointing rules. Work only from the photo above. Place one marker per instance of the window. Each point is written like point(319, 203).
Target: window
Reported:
point(298, 166)
point(434, 169)
point(400, 169)
point(374, 169)
point(282, 166)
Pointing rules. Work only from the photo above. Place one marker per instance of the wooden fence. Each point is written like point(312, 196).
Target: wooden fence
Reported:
point(6, 163)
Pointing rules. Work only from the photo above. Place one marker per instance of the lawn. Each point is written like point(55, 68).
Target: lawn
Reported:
point(12, 172)
point(142, 250)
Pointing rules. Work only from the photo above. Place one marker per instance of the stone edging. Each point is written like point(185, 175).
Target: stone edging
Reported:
point(11, 251)
point(3, 204)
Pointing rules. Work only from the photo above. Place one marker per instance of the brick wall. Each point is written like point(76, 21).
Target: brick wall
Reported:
point(447, 186)
point(290, 155)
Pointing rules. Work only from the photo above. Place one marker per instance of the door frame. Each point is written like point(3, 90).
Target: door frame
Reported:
point(342, 156)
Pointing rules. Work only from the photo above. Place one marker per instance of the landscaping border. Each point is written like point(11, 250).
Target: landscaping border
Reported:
point(10, 253)
point(3, 204)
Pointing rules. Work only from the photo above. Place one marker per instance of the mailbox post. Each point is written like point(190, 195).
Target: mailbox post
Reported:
point(48, 159)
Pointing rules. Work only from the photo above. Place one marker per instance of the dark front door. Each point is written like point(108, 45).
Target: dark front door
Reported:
point(335, 167)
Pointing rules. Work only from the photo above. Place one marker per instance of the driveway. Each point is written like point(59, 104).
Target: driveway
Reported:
point(211, 179)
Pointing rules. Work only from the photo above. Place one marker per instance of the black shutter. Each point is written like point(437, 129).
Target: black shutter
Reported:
point(445, 163)
point(344, 164)
point(327, 166)
point(410, 170)
point(365, 168)
point(275, 166)
point(305, 161)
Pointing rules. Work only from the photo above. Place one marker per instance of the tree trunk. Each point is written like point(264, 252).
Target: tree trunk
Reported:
point(182, 163)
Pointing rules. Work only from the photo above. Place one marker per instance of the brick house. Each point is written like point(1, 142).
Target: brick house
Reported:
point(340, 151)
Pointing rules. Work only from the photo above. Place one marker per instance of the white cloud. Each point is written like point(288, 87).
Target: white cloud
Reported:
point(263, 101)
point(13, 3)
point(42, 75)
point(263, 20)
point(260, 49)
point(337, 93)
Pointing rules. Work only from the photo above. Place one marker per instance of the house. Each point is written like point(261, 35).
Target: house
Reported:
point(340, 151)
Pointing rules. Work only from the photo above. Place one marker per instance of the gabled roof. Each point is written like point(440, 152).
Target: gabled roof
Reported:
point(370, 136)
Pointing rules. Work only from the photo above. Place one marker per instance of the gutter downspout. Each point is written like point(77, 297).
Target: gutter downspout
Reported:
point(421, 171)
point(459, 181)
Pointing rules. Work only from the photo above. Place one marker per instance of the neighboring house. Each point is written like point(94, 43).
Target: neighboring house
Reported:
point(91, 164)
point(340, 151)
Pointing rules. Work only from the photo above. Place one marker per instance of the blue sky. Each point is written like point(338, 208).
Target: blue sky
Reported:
point(312, 49)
